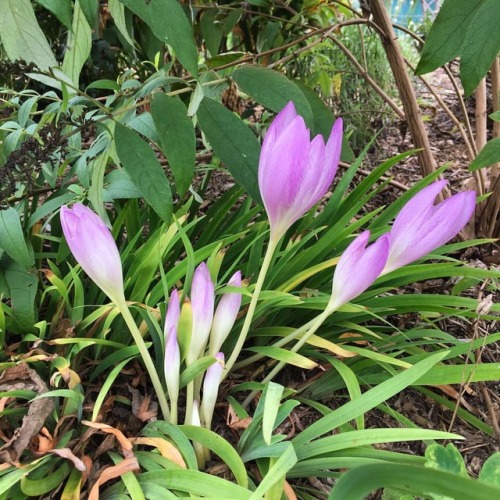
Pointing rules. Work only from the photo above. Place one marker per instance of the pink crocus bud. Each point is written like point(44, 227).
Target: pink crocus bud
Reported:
point(172, 363)
point(295, 171)
point(211, 389)
point(225, 315)
point(173, 313)
point(358, 267)
point(421, 226)
point(202, 302)
point(94, 248)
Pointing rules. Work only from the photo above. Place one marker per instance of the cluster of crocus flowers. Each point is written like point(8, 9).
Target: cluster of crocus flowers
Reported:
point(418, 229)
point(202, 334)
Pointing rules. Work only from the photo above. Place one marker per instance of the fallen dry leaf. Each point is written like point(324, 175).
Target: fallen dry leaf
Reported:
point(167, 450)
point(142, 407)
point(21, 377)
point(125, 443)
point(127, 465)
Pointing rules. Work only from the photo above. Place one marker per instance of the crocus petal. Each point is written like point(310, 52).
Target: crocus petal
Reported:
point(358, 267)
point(211, 389)
point(173, 313)
point(225, 315)
point(295, 172)
point(202, 302)
point(172, 363)
point(94, 248)
point(421, 226)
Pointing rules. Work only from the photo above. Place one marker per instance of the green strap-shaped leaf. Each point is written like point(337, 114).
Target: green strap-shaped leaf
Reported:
point(12, 238)
point(481, 45)
point(144, 170)
point(360, 481)
point(21, 35)
point(177, 137)
point(169, 23)
point(273, 90)
point(233, 142)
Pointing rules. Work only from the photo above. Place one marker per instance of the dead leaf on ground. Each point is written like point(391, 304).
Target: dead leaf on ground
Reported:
point(127, 465)
point(142, 407)
point(21, 377)
point(125, 443)
point(167, 450)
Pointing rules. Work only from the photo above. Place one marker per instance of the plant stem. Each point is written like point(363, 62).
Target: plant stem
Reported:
point(146, 358)
point(273, 243)
point(280, 343)
point(188, 418)
point(317, 322)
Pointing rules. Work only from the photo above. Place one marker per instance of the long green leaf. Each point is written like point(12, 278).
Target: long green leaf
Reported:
point(233, 142)
point(12, 238)
point(360, 481)
point(21, 35)
point(447, 33)
point(272, 89)
point(79, 45)
point(481, 45)
point(144, 170)
point(366, 402)
point(221, 447)
point(177, 137)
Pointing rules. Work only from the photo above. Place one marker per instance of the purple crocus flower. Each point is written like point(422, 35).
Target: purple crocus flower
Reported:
point(225, 315)
point(358, 267)
point(173, 313)
point(421, 226)
point(172, 363)
point(202, 302)
point(94, 248)
point(295, 171)
point(211, 388)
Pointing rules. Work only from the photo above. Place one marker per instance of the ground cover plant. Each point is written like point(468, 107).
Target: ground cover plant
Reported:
point(201, 295)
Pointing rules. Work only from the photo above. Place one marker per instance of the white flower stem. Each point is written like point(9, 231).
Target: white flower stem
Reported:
point(273, 243)
point(146, 358)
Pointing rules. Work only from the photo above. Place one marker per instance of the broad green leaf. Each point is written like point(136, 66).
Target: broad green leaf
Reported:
point(170, 25)
point(233, 142)
point(446, 458)
point(272, 89)
point(117, 11)
point(79, 45)
point(177, 137)
point(23, 286)
point(490, 472)
point(487, 156)
point(12, 238)
point(21, 35)
point(60, 8)
point(360, 481)
point(447, 34)
point(495, 116)
point(211, 29)
point(91, 10)
point(144, 170)
point(481, 45)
